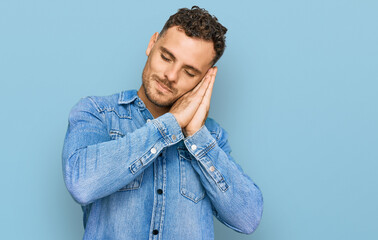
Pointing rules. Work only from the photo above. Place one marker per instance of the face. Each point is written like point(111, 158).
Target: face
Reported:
point(176, 64)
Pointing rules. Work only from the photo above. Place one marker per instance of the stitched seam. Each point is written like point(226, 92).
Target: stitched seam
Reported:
point(217, 135)
point(113, 110)
point(129, 109)
point(225, 184)
point(139, 159)
point(206, 150)
point(160, 128)
point(110, 109)
point(183, 189)
point(124, 189)
point(116, 132)
point(204, 171)
point(120, 101)
point(183, 155)
point(95, 103)
point(98, 110)
point(217, 183)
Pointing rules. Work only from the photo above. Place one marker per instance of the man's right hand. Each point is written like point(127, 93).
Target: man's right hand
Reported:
point(186, 106)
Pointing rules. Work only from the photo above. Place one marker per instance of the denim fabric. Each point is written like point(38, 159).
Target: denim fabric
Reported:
point(136, 177)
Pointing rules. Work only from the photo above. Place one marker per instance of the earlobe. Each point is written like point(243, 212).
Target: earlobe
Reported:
point(152, 42)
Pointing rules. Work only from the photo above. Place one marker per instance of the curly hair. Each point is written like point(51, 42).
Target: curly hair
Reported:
point(198, 23)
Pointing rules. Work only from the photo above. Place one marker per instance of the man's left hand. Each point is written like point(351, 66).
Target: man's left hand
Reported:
point(200, 116)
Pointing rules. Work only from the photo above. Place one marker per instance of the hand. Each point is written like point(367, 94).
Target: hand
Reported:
point(186, 106)
point(200, 116)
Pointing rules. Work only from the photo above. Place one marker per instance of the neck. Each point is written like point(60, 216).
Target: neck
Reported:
point(156, 111)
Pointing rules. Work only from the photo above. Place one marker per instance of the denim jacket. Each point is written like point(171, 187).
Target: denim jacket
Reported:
point(137, 177)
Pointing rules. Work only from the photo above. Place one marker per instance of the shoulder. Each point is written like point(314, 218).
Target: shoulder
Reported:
point(105, 103)
point(101, 103)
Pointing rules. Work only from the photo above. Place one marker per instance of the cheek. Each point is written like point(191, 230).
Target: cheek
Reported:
point(156, 65)
point(187, 85)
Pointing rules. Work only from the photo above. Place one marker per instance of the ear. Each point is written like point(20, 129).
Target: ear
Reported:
point(152, 43)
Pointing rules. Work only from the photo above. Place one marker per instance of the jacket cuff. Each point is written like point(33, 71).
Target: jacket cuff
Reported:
point(200, 142)
point(171, 133)
point(169, 128)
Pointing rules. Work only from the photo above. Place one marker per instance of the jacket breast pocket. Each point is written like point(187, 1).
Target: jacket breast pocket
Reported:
point(137, 182)
point(190, 183)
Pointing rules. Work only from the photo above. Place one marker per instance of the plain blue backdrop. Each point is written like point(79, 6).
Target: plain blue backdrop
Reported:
point(296, 90)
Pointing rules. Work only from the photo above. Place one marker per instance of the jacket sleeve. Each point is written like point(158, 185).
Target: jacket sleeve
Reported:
point(95, 166)
point(237, 200)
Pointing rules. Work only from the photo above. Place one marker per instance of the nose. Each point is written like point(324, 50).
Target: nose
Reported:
point(171, 73)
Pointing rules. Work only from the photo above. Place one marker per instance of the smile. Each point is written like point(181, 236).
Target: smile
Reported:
point(162, 87)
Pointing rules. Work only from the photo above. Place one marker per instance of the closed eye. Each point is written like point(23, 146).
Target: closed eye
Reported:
point(165, 58)
point(189, 74)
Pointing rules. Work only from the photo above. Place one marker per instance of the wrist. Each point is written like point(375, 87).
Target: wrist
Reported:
point(177, 119)
point(189, 132)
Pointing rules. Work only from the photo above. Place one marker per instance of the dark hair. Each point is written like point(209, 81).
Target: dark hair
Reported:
point(198, 23)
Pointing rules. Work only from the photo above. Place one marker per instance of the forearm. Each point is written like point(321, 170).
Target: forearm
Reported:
point(236, 199)
point(95, 166)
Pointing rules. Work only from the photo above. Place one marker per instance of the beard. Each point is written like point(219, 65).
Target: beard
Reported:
point(156, 97)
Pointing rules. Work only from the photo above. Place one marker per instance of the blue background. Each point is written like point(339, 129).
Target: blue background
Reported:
point(301, 77)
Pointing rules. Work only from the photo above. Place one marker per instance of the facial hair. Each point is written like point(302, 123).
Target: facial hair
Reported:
point(147, 86)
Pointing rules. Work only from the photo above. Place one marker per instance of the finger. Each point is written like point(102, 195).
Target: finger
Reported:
point(195, 96)
point(203, 80)
point(196, 88)
point(202, 91)
point(206, 81)
point(204, 105)
point(209, 90)
point(207, 97)
point(209, 72)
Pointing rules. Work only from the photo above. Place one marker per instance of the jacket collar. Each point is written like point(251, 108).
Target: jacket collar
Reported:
point(126, 97)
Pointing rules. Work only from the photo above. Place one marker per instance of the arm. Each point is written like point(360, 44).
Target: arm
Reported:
point(94, 166)
point(237, 201)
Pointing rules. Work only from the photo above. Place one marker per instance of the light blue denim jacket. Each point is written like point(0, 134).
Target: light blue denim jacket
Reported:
point(139, 178)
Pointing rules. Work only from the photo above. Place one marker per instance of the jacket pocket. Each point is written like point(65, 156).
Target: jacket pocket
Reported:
point(190, 183)
point(137, 182)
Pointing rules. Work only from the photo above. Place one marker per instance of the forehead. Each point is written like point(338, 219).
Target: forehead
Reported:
point(188, 50)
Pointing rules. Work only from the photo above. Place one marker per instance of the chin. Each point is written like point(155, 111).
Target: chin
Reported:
point(158, 99)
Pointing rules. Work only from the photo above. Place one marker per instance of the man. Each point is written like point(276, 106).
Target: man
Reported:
point(149, 164)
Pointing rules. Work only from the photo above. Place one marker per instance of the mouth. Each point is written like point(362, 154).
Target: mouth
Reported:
point(162, 87)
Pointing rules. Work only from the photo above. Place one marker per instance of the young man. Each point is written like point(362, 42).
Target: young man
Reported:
point(149, 164)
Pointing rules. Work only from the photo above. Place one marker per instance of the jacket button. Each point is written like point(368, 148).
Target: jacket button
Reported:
point(155, 232)
point(194, 147)
point(153, 150)
point(159, 191)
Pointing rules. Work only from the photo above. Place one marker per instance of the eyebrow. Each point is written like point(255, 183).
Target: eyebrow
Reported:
point(163, 49)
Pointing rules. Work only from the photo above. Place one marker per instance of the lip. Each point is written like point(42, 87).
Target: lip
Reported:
point(162, 87)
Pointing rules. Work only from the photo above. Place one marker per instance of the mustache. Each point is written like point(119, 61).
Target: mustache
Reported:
point(164, 82)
